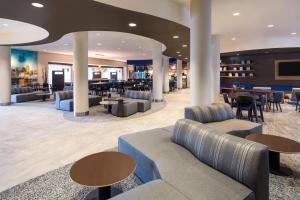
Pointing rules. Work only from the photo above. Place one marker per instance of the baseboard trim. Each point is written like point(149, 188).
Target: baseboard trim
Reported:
point(158, 100)
point(81, 114)
point(5, 104)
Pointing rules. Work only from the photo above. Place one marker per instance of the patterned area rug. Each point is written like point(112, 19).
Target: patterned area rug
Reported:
point(58, 185)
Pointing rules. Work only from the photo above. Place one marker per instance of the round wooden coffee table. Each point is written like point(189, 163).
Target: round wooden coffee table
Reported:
point(276, 146)
point(102, 170)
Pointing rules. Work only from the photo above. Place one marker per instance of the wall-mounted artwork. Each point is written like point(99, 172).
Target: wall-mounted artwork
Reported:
point(24, 67)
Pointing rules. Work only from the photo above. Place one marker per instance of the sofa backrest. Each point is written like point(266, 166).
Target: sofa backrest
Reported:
point(21, 90)
point(245, 161)
point(64, 95)
point(146, 95)
point(212, 113)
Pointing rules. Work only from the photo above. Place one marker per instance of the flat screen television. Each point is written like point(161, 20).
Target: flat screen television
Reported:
point(289, 68)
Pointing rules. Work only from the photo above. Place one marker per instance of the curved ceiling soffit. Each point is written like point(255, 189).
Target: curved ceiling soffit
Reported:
point(63, 17)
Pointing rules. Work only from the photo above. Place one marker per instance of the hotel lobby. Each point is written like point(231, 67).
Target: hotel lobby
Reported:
point(149, 100)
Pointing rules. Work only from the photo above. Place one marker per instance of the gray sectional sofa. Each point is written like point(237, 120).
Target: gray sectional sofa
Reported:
point(193, 161)
point(124, 109)
point(222, 117)
point(24, 94)
point(143, 99)
point(64, 101)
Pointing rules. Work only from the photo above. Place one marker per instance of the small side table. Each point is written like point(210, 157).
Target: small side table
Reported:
point(103, 170)
point(276, 146)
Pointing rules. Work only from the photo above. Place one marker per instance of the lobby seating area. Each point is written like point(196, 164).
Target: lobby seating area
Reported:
point(24, 94)
point(64, 101)
point(194, 163)
point(149, 100)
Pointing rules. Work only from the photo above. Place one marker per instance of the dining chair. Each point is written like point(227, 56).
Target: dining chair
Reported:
point(246, 103)
point(276, 100)
point(297, 100)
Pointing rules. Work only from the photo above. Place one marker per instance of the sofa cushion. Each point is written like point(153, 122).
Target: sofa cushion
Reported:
point(236, 127)
point(236, 157)
point(211, 113)
point(158, 157)
point(66, 105)
point(154, 190)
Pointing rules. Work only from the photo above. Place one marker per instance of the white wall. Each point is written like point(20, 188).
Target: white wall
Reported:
point(106, 72)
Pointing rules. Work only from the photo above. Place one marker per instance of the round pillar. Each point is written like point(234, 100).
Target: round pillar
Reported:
point(188, 76)
point(216, 60)
point(125, 73)
point(179, 74)
point(157, 72)
point(201, 87)
point(5, 76)
point(81, 98)
point(166, 66)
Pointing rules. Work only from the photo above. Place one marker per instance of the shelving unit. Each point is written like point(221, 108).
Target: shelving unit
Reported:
point(242, 70)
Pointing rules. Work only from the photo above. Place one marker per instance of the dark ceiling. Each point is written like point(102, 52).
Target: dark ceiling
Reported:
point(60, 17)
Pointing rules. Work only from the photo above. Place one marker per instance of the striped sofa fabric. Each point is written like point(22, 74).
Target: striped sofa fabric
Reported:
point(212, 113)
point(242, 160)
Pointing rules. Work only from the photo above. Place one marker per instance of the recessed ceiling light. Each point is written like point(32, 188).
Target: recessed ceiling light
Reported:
point(144, 54)
point(6, 25)
point(99, 44)
point(44, 50)
point(270, 25)
point(66, 44)
point(119, 48)
point(175, 37)
point(178, 52)
point(184, 46)
point(186, 58)
point(37, 5)
point(123, 42)
point(140, 47)
point(233, 39)
point(179, 55)
point(294, 33)
point(132, 24)
point(236, 14)
point(97, 34)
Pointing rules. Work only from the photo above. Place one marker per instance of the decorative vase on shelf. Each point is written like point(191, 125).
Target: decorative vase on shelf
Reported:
point(243, 62)
point(234, 68)
point(225, 69)
point(241, 68)
point(236, 74)
point(221, 69)
point(248, 68)
point(230, 74)
point(243, 75)
point(248, 61)
point(251, 74)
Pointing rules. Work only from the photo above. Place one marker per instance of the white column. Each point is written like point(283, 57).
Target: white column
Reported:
point(166, 66)
point(201, 87)
point(216, 60)
point(157, 71)
point(125, 73)
point(5, 76)
point(188, 75)
point(81, 101)
point(179, 74)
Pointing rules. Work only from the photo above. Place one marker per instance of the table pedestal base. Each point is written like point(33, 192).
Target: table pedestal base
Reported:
point(104, 193)
point(100, 194)
point(275, 168)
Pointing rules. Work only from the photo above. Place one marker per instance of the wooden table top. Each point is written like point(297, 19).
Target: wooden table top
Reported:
point(102, 169)
point(276, 143)
point(108, 103)
point(236, 94)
